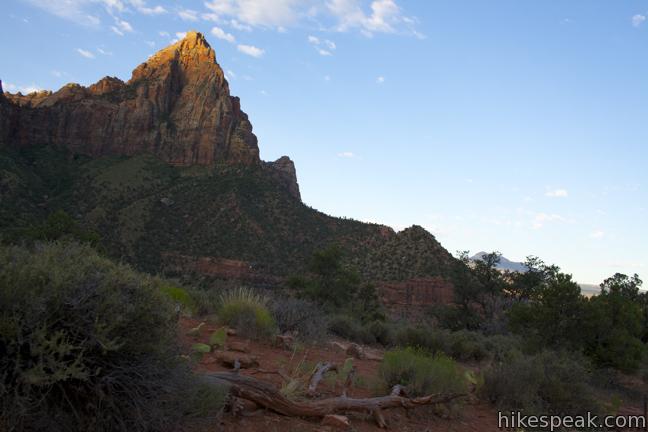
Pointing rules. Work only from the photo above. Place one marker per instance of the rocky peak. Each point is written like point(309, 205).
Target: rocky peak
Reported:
point(284, 169)
point(177, 105)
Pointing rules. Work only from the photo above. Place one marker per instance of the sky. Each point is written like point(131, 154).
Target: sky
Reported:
point(520, 127)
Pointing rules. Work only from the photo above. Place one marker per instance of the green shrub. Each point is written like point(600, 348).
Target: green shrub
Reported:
point(349, 328)
point(421, 373)
point(218, 338)
point(85, 344)
point(549, 382)
point(246, 311)
point(466, 345)
point(180, 297)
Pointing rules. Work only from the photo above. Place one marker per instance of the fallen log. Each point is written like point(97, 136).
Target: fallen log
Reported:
point(267, 396)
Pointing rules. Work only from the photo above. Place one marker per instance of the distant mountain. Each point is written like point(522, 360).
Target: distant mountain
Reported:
point(165, 169)
point(504, 264)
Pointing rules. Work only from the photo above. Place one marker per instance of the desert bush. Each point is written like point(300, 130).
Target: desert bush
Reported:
point(85, 344)
point(181, 297)
point(465, 345)
point(300, 317)
point(218, 338)
point(421, 373)
point(246, 311)
point(549, 382)
point(349, 328)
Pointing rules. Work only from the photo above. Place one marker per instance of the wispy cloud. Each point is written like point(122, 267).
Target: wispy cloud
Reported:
point(557, 193)
point(380, 80)
point(72, 10)
point(638, 19)
point(85, 53)
point(104, 52)
point(188, 15)
point(222, 34)
point(381, 16)
point(324, 47)
point(251, 50)
point(346, 154)
point(140, 6)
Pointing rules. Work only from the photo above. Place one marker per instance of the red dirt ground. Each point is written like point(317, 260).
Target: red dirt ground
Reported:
point(471, 415)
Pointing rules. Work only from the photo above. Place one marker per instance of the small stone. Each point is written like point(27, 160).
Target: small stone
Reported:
point(336, 421)
point(229, 359)
point(356, 351)
point(238, 346)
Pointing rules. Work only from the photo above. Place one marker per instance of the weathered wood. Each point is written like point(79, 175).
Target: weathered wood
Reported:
point(267, 396)
point(318, 374)
point(348, 383)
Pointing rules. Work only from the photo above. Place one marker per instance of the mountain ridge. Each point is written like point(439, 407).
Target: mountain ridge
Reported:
point(194, 199)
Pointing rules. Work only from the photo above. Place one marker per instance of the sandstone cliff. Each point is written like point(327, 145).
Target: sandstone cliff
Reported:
point(177, 106)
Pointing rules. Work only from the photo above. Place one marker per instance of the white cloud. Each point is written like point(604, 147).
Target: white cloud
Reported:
point(123, 25)
point(382, 16)
point(150, 43)
point(188, 15)
point(163, 34)
point(557, 193)
point(13, 88)
point(380, 80)
point(104, 52)
point(86, 54)
point(598, 234)
point(222, 34)
point(385, 17)
point(324, 47)
point(238, 26)
point(117, 31)
point(638, 19)
point(251, 50)
point(346, 154)
point(229, 74)
point(258, 13)
point(140, 6)
point(72, 10)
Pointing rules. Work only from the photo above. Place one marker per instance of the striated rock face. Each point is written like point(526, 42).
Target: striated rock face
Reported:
point(177, 105)
point(410, 298)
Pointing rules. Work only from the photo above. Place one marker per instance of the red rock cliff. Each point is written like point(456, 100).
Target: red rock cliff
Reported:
point(177, 105)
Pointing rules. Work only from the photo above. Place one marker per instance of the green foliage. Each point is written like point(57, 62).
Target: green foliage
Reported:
point(218, 338)
point(201, 348)
point(246, 311)
point(350, 328)
point(608, 327)
point(179, 296)
point(60, 225)
point(549, 382)
point(85, 344)
point(422, 373)
point(554, 319)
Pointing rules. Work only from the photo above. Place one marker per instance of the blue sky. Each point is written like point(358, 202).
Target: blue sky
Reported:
point(503, 125)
